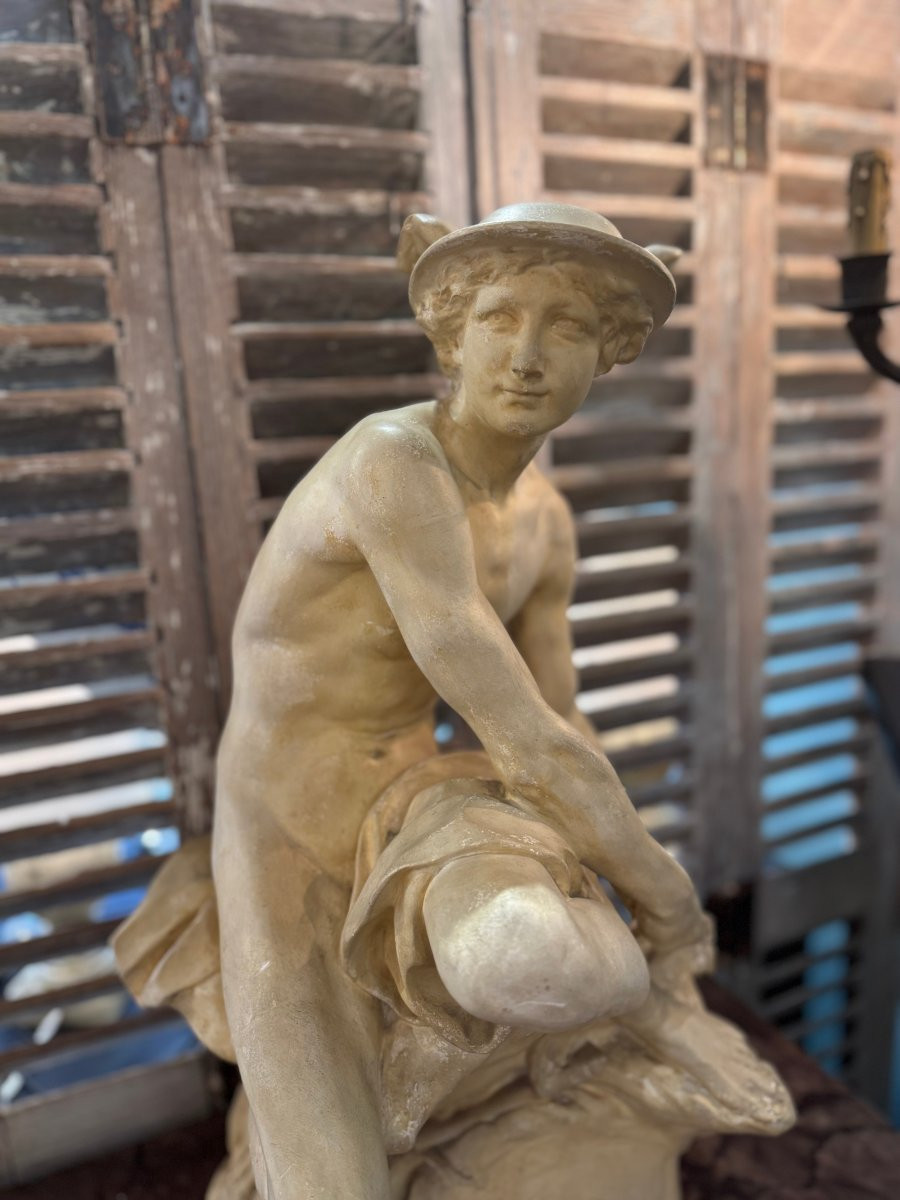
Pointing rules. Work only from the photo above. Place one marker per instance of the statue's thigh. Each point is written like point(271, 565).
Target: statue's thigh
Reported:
point(280, 923)
point(306, 1040)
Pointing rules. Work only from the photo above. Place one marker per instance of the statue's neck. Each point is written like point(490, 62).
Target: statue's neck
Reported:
point(490, 460)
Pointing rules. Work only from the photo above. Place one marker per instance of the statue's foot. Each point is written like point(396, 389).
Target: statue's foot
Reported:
point(716, 1055)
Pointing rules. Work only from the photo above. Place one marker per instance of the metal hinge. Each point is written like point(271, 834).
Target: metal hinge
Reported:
point(737, 109)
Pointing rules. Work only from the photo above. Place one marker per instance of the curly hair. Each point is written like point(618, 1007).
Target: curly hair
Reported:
point(625, 316)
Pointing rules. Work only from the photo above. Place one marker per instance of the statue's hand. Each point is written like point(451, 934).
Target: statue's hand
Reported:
point(678, 951)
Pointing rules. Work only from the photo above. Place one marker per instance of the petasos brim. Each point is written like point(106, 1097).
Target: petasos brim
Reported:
point(587, 237)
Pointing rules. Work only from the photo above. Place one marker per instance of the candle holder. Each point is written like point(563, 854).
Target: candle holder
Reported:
point(864, 297)
point(864, 275)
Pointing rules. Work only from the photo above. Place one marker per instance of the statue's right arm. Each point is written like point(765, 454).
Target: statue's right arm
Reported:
point(409, 523)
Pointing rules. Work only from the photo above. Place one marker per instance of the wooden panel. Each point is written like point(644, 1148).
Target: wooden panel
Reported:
point(303, 30)
point(445, 109)
point(163, 481)
point(97, 538)
point(843, 36)
point(41, 76)
point(889, 632)
point(39, 949)
point(86, 885)
point(830, 490)
point(621, 20)
point(103, 985)
point(780, 566)
point(78, 664)
point(149, 72)
point(204, 303)
point(616, 132)
point(504, 41)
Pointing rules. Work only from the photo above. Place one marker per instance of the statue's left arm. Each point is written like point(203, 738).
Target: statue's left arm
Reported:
point(541, 631)
point(543, 636)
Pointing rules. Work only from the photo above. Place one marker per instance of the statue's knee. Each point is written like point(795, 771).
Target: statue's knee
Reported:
point(510, 959)
point(523, 954)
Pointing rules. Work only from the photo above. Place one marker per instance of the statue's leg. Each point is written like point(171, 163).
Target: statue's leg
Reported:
point(511, 948)
point(306, 1039)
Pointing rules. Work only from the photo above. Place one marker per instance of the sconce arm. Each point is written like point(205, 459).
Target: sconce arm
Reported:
point(865, 328)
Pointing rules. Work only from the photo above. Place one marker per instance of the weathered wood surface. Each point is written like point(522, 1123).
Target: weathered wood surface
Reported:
point(178, 71)
point(504, 51)
point(36, 21)
point(163, 490)
point(217, 422)
point(579, 107)
point(731, 487)
point(79, 701)
point(83, 1038)
point(441, 35)
point(52, 945)
point(376, 31)
point(83, 886)
point(149, 71)
point(124, 101)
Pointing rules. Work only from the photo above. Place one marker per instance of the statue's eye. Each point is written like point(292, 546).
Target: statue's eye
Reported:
point(570, 326)
point(496, 318)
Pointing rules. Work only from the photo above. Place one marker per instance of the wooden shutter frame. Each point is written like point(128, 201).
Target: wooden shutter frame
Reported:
point(130, 261)
point(728, 582)
point(858, 888)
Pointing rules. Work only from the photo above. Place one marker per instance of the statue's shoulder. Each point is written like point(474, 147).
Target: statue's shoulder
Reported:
point(394, 469)
point(388, 441)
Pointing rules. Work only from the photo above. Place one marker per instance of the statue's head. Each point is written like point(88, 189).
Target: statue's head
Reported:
point(526, 308)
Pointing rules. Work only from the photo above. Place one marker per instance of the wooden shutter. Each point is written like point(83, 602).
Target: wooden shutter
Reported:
point(329, 128)
point(736, 489)
point(826, 910)
point(106, 719)
point(196, 320)
point(598, 106)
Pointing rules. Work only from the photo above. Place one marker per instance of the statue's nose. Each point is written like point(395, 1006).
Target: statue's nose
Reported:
point(526, 363)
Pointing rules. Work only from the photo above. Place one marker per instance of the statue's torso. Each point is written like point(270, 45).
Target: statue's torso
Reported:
point(329, 705)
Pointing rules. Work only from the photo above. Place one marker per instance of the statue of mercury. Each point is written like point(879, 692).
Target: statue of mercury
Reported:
point(413, 957)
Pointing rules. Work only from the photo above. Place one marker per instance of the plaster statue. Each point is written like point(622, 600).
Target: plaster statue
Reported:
point(410, 955)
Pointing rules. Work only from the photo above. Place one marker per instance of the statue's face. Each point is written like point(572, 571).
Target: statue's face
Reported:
point(529, 351)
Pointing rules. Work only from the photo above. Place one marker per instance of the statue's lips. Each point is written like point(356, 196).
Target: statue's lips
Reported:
point(522, 396)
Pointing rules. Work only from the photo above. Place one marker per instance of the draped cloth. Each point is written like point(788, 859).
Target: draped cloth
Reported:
point(168, 949)
point(437, 812)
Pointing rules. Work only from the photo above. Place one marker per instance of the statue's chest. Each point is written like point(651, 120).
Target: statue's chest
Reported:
point(509, 553)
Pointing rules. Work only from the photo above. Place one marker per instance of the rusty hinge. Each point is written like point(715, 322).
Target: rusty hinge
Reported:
point(150, 78)
point(736, 113)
